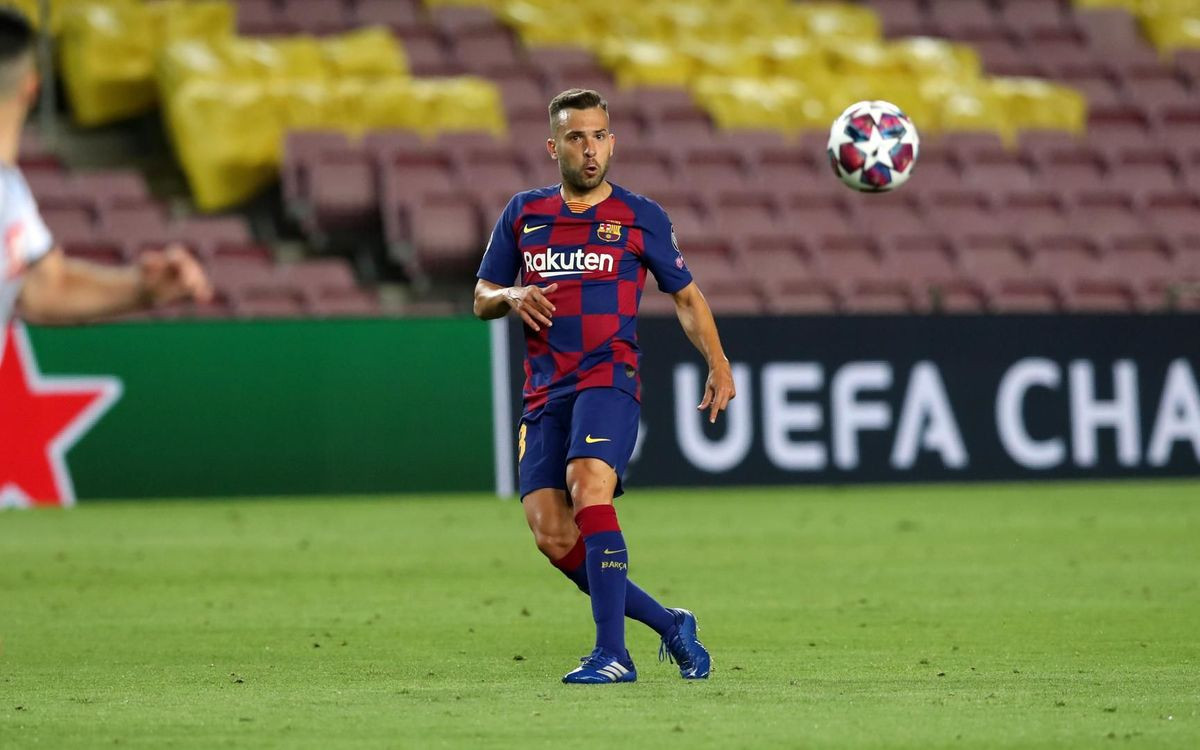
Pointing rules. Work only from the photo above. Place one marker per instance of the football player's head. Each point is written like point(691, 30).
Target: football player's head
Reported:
point(18, 74)
point(579, 138)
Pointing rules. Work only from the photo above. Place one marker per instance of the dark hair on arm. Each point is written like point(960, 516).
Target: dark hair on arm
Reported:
point(575, 99)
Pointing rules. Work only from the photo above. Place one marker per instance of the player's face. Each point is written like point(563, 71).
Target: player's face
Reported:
point(583, 147)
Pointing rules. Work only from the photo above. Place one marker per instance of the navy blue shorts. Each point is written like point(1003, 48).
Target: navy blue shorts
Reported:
point(593, 423)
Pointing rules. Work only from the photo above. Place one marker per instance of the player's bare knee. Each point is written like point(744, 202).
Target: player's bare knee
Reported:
point(590, 481)
point(555, 543)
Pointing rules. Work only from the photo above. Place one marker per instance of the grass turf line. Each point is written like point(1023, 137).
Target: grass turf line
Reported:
point(1039, 615)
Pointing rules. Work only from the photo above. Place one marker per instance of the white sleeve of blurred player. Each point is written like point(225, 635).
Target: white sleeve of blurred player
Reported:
point(24, 238)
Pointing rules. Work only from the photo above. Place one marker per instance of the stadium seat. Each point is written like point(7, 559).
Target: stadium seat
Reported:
point(710, 169)
point(998, 171)
point(920, 257)
point(650, 174)
point(963, 212)
point(847, 257)
point(959, 296)
point(427, 54)
point(1064, 256)
point(107, 187)
point(1181, 123)
point(485, 51)
point(1032, 213)
point(873, 296)
point(738, 213)
point(319, 277)
point(457, 21)
point(988, 257)
point(886, 214)
point(688, 216)
point(104, 253)
point(1102, 213)
point(1055, 46)
point(398, 15)
point(447, 235)
point(1023, 16)
point(804, 297)
point(1145, 169)
point(1154, 86)
point(1114, 128)
point(1173, 214)
point(808, 215)
point(357, 303)
point(1112, 34)
point(1096, 80)
point(495, 169)
point(1142, 259)
point(205, 234)
point(1024, 295)
point(901, 17)
point(315, 16)
point(788, 170)
point(342, 191)
point(955, 18)
point(1099, 295)
point(771, 259)
point(1072, 169)
point(135, 226)
point(260, 17)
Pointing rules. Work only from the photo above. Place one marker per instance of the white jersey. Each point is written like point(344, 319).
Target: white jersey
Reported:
point(24, 238)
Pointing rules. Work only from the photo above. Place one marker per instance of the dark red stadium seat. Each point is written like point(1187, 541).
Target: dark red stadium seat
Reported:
point(300, 149)
point(789, 169)
point(1072, 169)
point(427, 54)
point(713, 260)
point(1024, 295)
point(1140, 258)
point(520, 88)
point(1143, 170)
point(773, 259)
point(955, 18)
point(343, 192)
point(397, 15)
point(964, 145)
point(71, 221)
point(804, 297)
point(999, 50)
point(935, 171)
point(1114, 128)
point(1113, 34)
point(253, 252)
point(1153, 86)
point(107, 187)
point(654, 102)
point(1179, 123)
point(751, 144)
point(681, 128)
point(711, 169)
point(959, 296)
point(845, 257)
point(1096, 80)
point(1099, 295)
point(457, 21)
point(1033, 212)
point(737, 213)
point(997, 171)
point(1037, 143)
point(870, 296)
point(650, 173)
point(491, 170)
point(320, 278)
point(554, 61)
point(316, 16)
point(356, 303)
point(484, 51)
point(1064, 256)
point(134, 225)
point(206, 233)
point(734, 298)
point(809, 215)
point(273, 305)
point(656, 304)
point(886, 214)
point(447, 235)
point(688, 216)
point(963, 212)
point(986, 258)
point(918, 257)
point(1105, 213)
point(901, 17)
point(1054, 46)
point(1173, 214)
point(1187, 61)
point(410, 173)
point(260, 17)
point(1023, 16)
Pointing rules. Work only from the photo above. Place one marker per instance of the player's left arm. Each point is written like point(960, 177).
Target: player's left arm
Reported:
point(697, 321)
point(59, 290)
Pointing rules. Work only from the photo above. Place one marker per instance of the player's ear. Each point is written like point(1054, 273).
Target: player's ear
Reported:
point(552, 149)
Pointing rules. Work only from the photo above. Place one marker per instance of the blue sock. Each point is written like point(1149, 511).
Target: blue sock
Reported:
point(639, 605)
point(607, 573)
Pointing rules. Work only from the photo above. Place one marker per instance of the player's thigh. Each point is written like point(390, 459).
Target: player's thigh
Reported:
point(604, 427)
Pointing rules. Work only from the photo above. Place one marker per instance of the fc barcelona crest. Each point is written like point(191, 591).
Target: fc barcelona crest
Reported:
point(609, 231)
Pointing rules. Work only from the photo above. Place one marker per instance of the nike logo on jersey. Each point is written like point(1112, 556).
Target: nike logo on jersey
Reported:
point(589, 439)
point(608, 551)
point(529, 229)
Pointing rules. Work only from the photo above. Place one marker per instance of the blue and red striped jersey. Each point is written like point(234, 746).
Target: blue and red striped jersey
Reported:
point(599, 256)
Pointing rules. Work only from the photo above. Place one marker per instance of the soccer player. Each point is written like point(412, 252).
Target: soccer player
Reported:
point(581, 250)
point(35, 276)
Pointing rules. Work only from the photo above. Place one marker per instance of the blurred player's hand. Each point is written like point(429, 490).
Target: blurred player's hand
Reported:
point(172, 274)
point(718, 389)
point(531, 304)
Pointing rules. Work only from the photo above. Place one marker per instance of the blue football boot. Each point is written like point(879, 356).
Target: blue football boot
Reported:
point(602, 667)
point(681, 646)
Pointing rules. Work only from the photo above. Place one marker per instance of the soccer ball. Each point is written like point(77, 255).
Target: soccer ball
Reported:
point(873, 146)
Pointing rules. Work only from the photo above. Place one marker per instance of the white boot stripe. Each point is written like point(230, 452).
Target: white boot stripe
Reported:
point(620, 669)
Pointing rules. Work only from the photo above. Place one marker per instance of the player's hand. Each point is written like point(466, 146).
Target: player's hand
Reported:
point(172, 274)
point(718, 390)
point(531, 304)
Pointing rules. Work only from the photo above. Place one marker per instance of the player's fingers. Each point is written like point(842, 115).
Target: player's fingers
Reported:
point(550, 288)
point(528, 320)
point(538, 298)
point(541, 317)
point(708, 397)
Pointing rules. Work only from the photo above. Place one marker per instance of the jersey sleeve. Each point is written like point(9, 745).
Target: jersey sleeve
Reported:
point(25, 236)
point(501, 260)
point(661, 252)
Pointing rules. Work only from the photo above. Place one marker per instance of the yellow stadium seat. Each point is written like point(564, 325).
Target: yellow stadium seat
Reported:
point(1032, 103)
point(925, 56)
point(466, 103)
point(403, 103)
point(828, 21)
point(646, 63)
point(204, 19)
point(1169, 32)
point(743, 103)
point(732, 60)
point(228, 136)
point(371, 52)
point(107, 63)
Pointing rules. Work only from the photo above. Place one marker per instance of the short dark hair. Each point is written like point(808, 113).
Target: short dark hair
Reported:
point(575, 99)
point(16, 42)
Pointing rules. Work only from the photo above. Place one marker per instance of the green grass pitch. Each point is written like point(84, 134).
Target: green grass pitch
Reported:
point(1039, 615)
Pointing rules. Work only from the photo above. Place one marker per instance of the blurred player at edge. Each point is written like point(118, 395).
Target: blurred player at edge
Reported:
point(45, 286)
point(581, 250)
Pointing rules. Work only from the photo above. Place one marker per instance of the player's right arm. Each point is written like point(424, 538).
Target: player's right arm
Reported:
point(530, 302)
point(501, 263)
